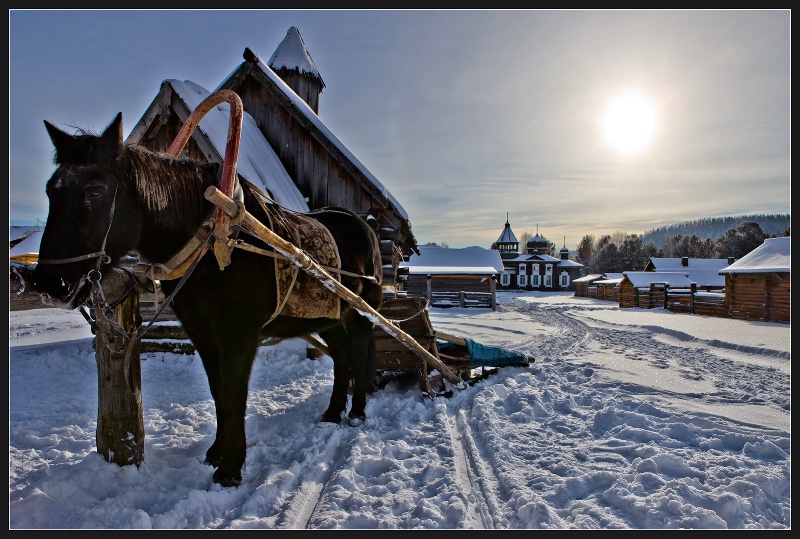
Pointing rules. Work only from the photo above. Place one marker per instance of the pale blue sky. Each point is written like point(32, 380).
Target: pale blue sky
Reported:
point(464, 116)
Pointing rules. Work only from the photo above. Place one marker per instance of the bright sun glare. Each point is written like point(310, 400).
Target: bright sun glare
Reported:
point(629, 124)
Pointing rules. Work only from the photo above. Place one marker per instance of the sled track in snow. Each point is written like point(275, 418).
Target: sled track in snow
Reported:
point(299, 510)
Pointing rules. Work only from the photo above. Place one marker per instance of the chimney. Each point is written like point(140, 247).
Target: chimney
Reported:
point(292, 62)
point(685, 261)
point(731, 260)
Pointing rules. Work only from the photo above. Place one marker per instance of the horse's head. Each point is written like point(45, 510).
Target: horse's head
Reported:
point(92, 216)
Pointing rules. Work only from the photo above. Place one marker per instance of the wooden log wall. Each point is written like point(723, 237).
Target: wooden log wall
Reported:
point(759, 296)
point(580, 289)
point(628, 295)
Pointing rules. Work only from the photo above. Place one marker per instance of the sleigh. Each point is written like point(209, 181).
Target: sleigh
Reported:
point(471, 361)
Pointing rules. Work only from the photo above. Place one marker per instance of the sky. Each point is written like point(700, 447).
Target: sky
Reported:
point(627, 419)
point(465, 116)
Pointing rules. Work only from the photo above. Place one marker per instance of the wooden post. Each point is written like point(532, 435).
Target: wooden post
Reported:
point(462, 299)
point(120, 423)
point(694, 291)
point(493, 292)
point(428, 278)
point(307, 264)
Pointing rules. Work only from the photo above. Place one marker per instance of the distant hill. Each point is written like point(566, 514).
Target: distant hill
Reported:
point(715, 227)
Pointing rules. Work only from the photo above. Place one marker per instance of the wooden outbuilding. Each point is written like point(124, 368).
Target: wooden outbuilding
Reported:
point(758, 286)
point(606, 288)
point(454, 277)
point(704, 272)
point(582, 284)
point(646, 289)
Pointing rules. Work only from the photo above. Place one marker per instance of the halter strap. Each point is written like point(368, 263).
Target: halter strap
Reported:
point(99, 254)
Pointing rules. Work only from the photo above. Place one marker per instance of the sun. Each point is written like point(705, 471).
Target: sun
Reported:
point(629, 123)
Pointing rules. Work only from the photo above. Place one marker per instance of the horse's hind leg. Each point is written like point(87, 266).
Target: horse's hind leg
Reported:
point(337, 342)
point(352, 348)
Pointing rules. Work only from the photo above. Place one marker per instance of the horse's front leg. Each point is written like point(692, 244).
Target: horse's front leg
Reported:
point(230, 447)
point(227, 357)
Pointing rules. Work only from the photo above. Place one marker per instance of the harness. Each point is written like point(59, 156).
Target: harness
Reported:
point(180, 266)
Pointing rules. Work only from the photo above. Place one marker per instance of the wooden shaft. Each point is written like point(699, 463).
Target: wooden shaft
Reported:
point(306, 263)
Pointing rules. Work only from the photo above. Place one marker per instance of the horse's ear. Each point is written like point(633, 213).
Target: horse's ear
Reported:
point(62, 141)
point(111, 138)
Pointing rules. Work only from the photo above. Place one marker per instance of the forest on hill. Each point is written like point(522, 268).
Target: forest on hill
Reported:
point(715, 227)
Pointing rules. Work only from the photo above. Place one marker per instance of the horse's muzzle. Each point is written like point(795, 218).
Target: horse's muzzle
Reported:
point(57, 293)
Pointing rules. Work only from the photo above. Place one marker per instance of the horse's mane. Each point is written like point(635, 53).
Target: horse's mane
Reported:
point(170, 189)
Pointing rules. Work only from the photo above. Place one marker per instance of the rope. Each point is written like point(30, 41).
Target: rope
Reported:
point(395, 322)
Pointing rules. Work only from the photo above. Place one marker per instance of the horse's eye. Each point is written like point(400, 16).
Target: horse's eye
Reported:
point(94, 193)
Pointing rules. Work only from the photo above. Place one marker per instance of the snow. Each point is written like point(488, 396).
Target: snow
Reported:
point(774, 255)
point(433, 259)
point(643, 279)
point(28, 246)
point(292, 54)
point(628, 419)
point(256, 161)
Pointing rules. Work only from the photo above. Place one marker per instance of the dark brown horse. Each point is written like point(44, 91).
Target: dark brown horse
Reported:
point(109, 201)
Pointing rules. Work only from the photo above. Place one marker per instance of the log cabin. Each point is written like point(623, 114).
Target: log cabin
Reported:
point(758, 286)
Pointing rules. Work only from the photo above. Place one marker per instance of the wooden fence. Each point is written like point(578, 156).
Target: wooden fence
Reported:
point(461, 299)
point(683, 300)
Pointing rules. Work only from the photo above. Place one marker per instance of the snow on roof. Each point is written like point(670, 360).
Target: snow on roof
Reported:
point(16, 232)
point(772, 256)
point(292, 54)
point(28, 246)
point(643, 279)
point(537, 257)
point(705, 277)
point(303, 107)
point(616, 280)
point(507, 236)
point(438, 260)
point(588, 278)
point(257, 162)
point(611, 276)
point(676, 264)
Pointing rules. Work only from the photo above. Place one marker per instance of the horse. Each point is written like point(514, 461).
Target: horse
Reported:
point(109, 200)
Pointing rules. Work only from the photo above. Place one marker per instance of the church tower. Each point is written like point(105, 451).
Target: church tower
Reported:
point(507, 243)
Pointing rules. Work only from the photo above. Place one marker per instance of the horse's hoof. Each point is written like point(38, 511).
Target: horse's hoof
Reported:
point(331, 419)
point(231, 480)
point(356, 421)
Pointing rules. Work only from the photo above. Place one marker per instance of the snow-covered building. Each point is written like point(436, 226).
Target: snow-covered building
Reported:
point(758, 286)
point(534, 269)
point(704, 272)
point(443, 270)
point(285, 147)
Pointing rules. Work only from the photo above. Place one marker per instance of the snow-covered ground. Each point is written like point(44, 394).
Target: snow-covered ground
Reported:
point(628, 419)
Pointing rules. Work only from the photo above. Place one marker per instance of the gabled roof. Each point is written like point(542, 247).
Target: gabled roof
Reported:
point(676, 264)
point(643, 279)
point(772, 256)
point(257, 162)
point(264, 74)
point(438, 260)
point(546, 259)
point(588, 278)
point(614, 281)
